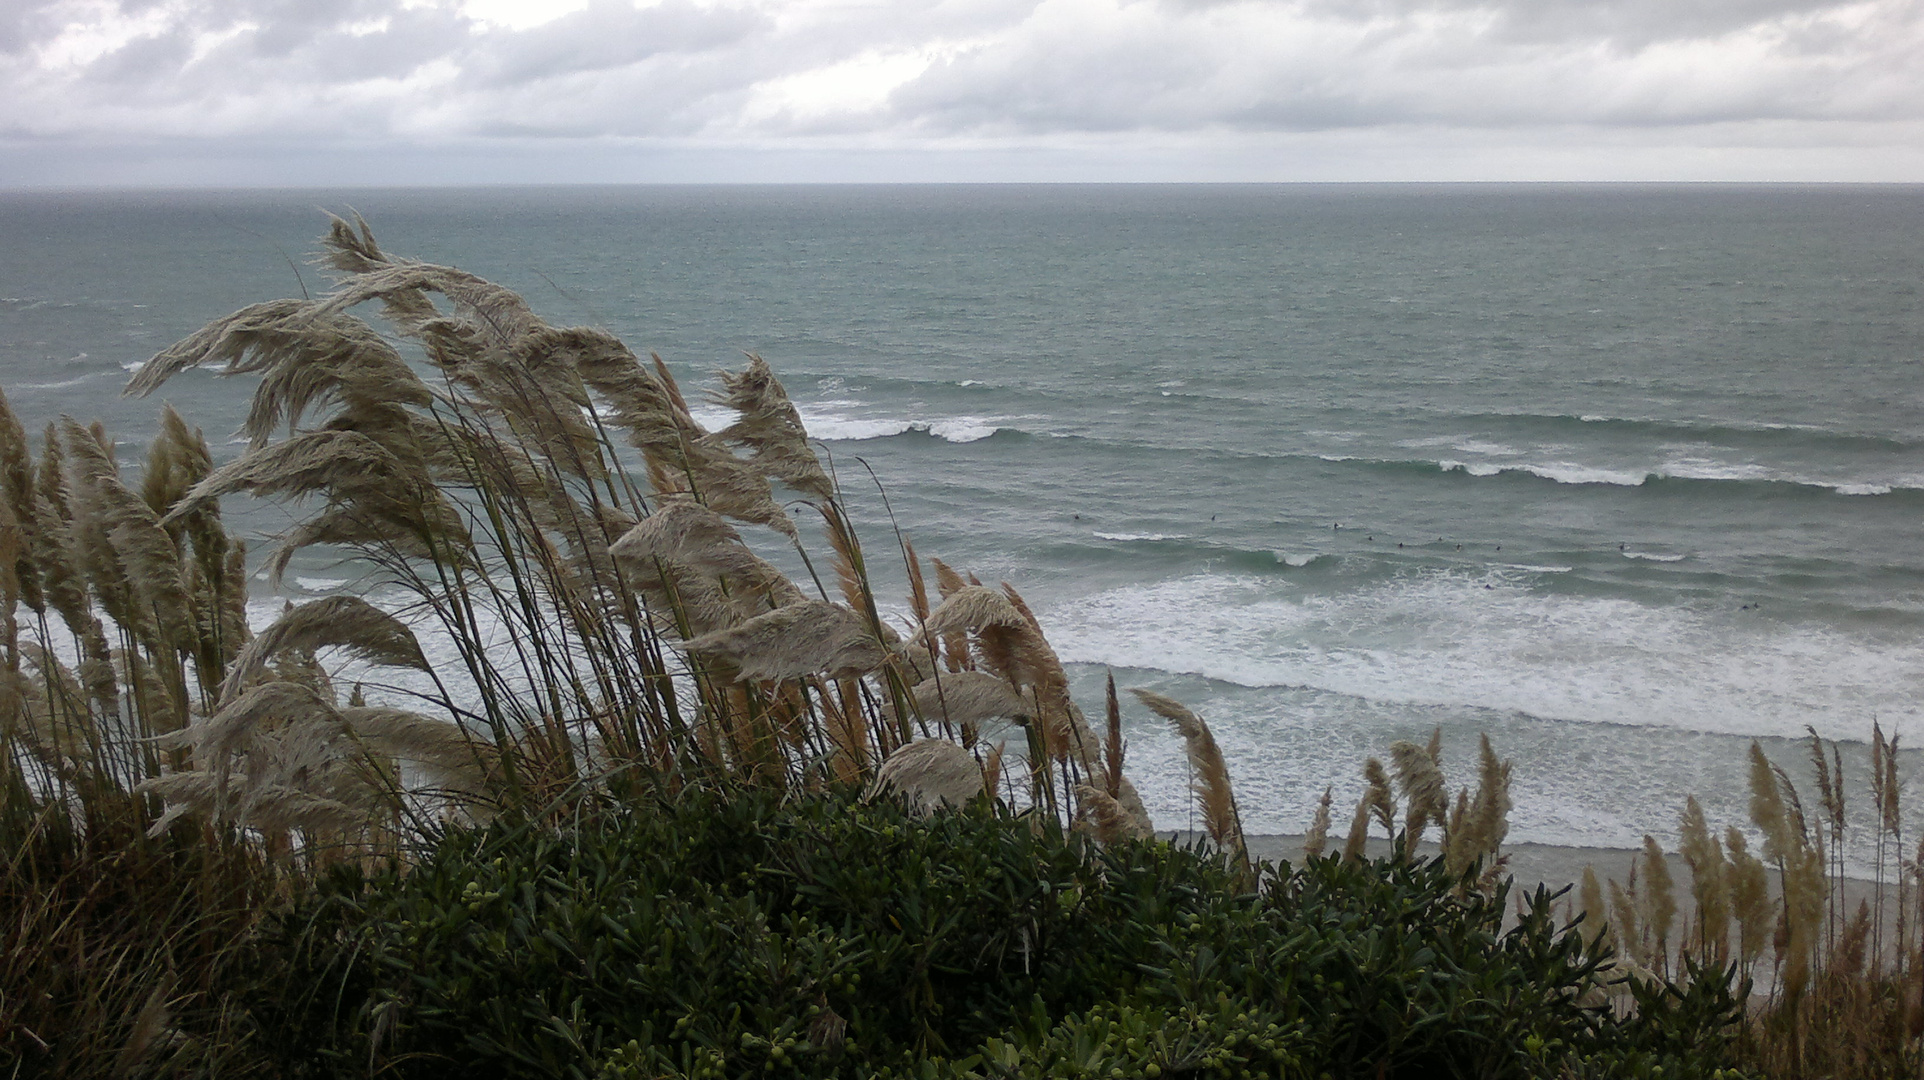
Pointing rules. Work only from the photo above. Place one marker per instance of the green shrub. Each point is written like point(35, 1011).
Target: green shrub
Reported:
point(733, 935)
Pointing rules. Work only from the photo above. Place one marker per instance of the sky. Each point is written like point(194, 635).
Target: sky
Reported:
point(332, 92)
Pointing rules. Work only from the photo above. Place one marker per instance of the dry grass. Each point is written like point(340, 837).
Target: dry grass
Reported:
point(1221, 819)
point(1474, 826)
point(588, 551)
point(608, 624)
point(1839, 989)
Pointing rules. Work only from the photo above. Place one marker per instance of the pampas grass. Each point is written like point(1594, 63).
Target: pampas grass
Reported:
point(602, 622)
point(591, 558)
point(1420, 777)
point(346, 622)
point(1709, 883)
point(1658, 908)
point(1316, 837)
point(1595, 916)
point(930, 774)
point(1837, 996)
point(807, 638)
point(1749, 898)
point(1221, 820)
point(969, 699)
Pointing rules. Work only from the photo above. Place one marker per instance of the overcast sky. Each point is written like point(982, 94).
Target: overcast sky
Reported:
point(440, 91)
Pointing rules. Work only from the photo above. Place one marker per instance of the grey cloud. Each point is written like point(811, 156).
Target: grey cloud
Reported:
point(669, 95)
point(1622, 24)
point(1018, 69)
point(609, 35)
point(19, 29)
point(312, 45)
point(1368, 68)
point(331, 55)
point(28, 24)
point(143, 61)
point(287, 28)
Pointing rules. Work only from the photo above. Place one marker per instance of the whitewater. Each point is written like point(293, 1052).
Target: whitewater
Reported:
point(1624, 476)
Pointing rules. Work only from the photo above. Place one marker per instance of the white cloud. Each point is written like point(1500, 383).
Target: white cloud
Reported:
point(936, 75)
point(519, 14)
point(853, 90)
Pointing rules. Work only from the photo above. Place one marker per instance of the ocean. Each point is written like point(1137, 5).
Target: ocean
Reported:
point(1624, 476)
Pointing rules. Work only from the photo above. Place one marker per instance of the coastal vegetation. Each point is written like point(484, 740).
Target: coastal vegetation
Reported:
point(598, 789)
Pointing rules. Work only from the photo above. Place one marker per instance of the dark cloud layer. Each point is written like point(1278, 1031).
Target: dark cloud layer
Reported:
point(949, 73)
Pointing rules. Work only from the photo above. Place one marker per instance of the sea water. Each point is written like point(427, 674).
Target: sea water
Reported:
point(1623, 476)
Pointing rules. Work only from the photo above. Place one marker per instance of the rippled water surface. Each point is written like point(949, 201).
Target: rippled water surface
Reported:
point(1621, 475)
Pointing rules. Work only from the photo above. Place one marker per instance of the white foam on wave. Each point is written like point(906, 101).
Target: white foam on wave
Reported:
point(1569, 473)
point(712, 417)
point(1713, 471)
point(960, 430)
point(62, 384)
point(1297, 561)
point(1703, 469)
point(842, 421)
point(853, 430)
point(1651, 556)
point(1737, 425)
point(1487, 641)
point(1696, 468)
point(1467, 444)
point(1126, 537)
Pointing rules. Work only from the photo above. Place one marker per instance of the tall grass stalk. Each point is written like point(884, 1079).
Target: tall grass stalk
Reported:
point(537, 501)
point(1841, 980)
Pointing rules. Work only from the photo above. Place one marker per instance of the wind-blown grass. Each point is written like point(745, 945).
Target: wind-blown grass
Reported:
point(547, 506)
point(544, 504)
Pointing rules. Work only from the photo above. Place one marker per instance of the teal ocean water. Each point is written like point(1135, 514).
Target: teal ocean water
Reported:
point(1624, 476)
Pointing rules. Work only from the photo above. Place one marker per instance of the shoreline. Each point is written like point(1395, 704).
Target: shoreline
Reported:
point(1552, 865)
point(1556, 866)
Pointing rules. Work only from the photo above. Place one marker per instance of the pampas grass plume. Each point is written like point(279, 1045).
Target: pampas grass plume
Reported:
point(345, 622)
point(1749, 897)
point(1220, 817)
point(1377, 793)
point(1112, 746)
point(1709, 882)
point(1767, 810)
point(1623, 907)
point(1425, 796)
point(930, 774)
point(1357, 841)
point(1659, 901)
point(806, 638)
point(1596, 917)
point(1317, 837)
point(1101, 814)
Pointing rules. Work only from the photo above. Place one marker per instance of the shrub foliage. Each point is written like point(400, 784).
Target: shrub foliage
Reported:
point(740, 934)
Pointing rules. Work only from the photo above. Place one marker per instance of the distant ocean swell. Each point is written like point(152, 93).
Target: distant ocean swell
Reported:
point(840, 427)
point(1542, 426)
point(1715, 431)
